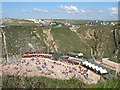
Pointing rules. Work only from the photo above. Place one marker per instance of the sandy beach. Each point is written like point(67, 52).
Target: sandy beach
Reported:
point(44, 67)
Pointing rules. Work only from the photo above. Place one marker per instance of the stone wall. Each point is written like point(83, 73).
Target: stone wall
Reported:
point(110, 64)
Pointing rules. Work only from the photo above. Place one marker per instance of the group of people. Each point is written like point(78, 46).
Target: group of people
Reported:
point(45, 67)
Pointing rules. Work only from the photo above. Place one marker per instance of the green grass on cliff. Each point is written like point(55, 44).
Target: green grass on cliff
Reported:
point(66, 40)
point(39, 82)
point(44, 82)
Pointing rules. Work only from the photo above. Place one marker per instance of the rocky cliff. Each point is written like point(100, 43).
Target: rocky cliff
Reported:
point(95, 41)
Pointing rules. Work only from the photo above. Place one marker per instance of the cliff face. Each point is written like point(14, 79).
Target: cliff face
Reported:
point(93, 41)
point(117, 40)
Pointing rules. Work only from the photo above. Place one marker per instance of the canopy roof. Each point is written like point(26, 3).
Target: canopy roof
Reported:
point(95, 67)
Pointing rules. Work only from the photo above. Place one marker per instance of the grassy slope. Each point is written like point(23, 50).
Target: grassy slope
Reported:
point(39, 82)
point(16, 22)
point(44, 82)
point(108, 84)
point(68, 40)
point(18, 38)
point(65, 39)
point(104, 38)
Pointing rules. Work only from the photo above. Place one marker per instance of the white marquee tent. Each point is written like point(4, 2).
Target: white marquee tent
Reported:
point(95, 67)
point(90, 65)
point(103, 71)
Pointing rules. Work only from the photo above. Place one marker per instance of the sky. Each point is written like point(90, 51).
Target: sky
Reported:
point(60, 0)
point(61, 10)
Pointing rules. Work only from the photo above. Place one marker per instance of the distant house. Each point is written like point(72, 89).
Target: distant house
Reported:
point(58, 26)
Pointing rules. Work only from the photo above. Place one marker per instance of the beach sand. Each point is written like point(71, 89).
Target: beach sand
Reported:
point(41, 67)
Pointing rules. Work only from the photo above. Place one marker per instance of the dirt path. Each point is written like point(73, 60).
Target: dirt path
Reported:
point(4, 45)
point(49, 41)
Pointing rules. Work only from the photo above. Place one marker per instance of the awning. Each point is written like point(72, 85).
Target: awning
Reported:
point(93, 66)
point(97, 68)
point(90, 65)
point(83, 63)
point(87, 64)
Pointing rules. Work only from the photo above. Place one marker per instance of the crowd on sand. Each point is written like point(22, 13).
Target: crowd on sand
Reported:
point(45, 67)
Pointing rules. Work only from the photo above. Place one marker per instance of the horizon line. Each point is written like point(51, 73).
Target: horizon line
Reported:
point(61, 19)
